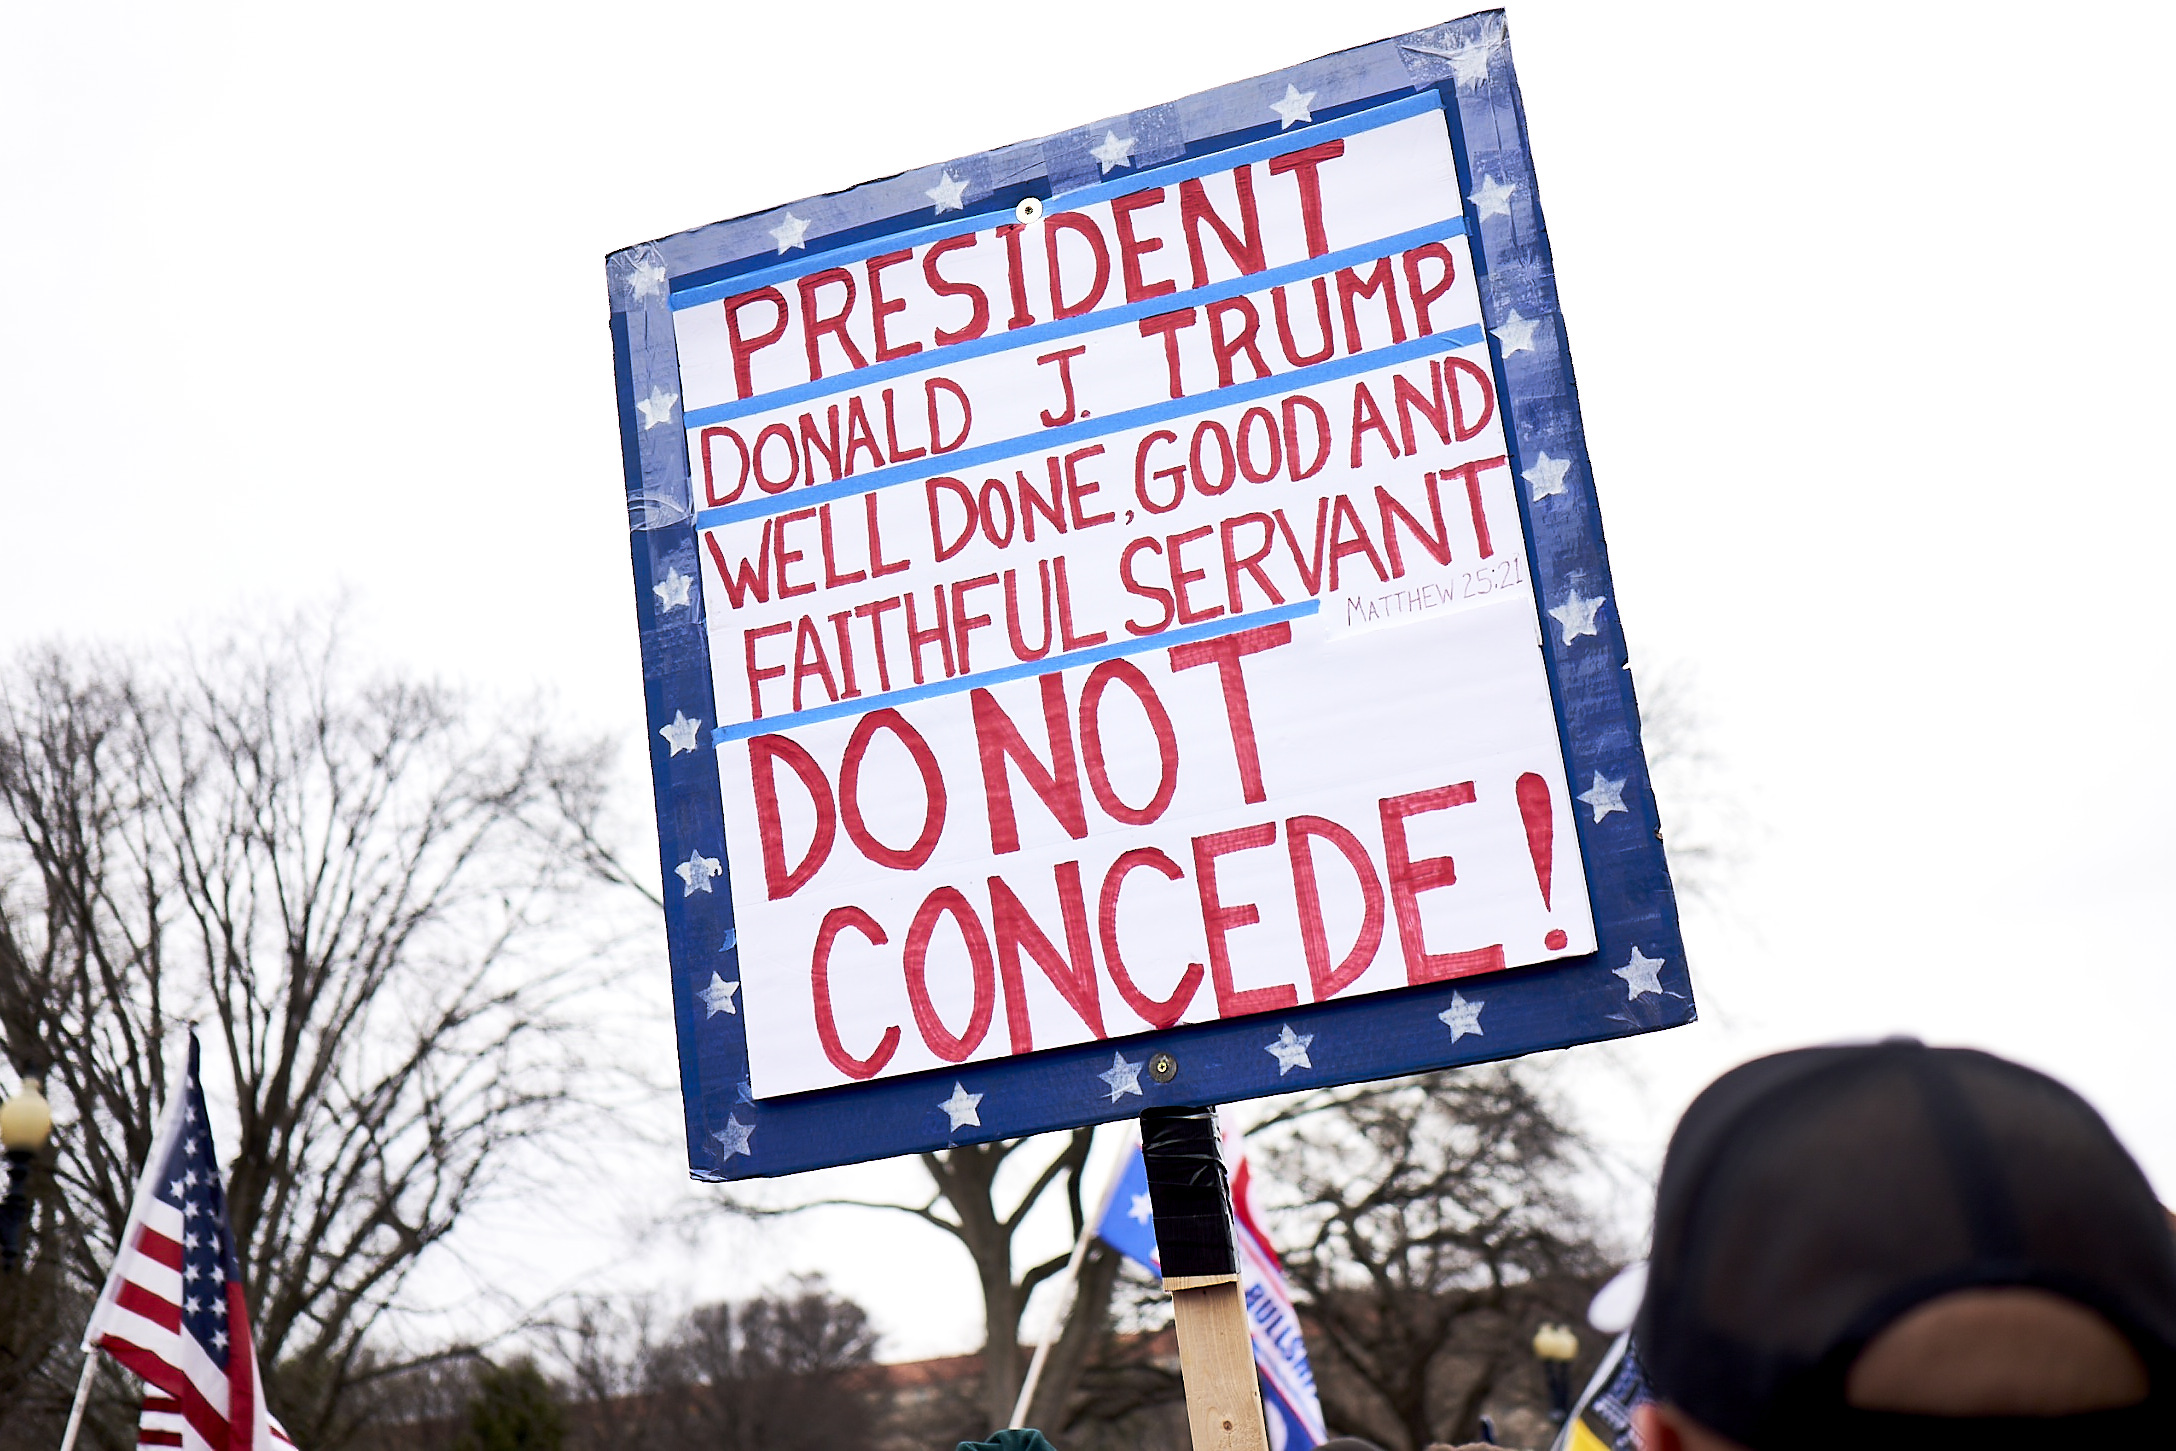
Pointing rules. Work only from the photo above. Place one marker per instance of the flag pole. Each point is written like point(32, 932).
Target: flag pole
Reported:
point(83, 1395)
point(1050, 1332)
point(1070, 1287)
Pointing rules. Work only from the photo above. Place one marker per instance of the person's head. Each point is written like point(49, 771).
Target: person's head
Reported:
point(1898, 1245)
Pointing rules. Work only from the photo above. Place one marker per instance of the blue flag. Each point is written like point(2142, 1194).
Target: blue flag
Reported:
point(1128, 1225)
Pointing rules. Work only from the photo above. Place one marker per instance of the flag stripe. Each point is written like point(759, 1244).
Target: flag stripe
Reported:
point(159, 1249)
point(146, 1364)
point(128, 1326)
point(241, 1370)
point(163, 1313)
point(204, 1418)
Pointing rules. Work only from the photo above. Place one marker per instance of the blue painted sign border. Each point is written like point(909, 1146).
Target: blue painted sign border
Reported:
point(1636, 982)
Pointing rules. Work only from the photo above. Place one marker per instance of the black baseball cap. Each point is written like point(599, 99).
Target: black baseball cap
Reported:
point(1811, 1198)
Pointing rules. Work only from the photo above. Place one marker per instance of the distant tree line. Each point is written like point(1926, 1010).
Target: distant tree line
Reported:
point(791, 1371)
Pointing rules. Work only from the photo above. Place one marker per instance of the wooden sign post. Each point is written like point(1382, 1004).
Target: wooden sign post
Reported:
point(1194, 1240)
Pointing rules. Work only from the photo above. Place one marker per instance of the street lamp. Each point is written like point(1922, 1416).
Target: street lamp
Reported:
point(25, 1121)
point(1556, 1347)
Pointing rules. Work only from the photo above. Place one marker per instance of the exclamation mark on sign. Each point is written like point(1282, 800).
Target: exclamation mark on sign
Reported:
point(1540, 819)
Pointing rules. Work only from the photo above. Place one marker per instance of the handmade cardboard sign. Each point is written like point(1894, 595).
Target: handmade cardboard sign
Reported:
point(1125, 621)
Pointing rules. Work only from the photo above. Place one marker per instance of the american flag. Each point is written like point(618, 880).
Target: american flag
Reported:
point(172, 1310)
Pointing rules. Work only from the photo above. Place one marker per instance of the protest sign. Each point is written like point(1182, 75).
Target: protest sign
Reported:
point(1125, 621)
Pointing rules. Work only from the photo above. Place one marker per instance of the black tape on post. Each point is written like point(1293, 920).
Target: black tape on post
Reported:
point(1188, 1192)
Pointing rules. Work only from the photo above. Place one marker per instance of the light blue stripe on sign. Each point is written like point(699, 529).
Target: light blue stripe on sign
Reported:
point(1166, 174)
point(1163, 640)
point(841, 384)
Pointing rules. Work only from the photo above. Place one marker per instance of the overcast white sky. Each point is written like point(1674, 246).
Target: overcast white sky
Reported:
point(1869, 308)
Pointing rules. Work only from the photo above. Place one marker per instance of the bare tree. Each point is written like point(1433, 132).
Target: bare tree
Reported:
point(1125, 1392)
point(513, 1408)
point(360, 886)
point(1705, 827)
point(1083, 1343)
point(779, 1373)
point(609, 1352)
point(1436, 1230)
point(964, 1203)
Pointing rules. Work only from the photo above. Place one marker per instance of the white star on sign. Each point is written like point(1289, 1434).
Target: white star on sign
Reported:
point(1517, 333)
point(1469, 63)
point(1113, 152)
point(672, 590)
point(1576, 615)
point(1289, 1049)
point(1294, 108)
point(790, 233)
point(1492, 198)
point(949, 194)
point(1641, 975)
point(696, 872)
point(1462, 1017)
point(1546, 476)
point(718, 998)
point(647, 280)
point(679, 732)
point(733, 1138)
point(657, 408)
point(962, 1107)
point(1140, 1211)
point(1123, 1077)
point(1604, 796)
